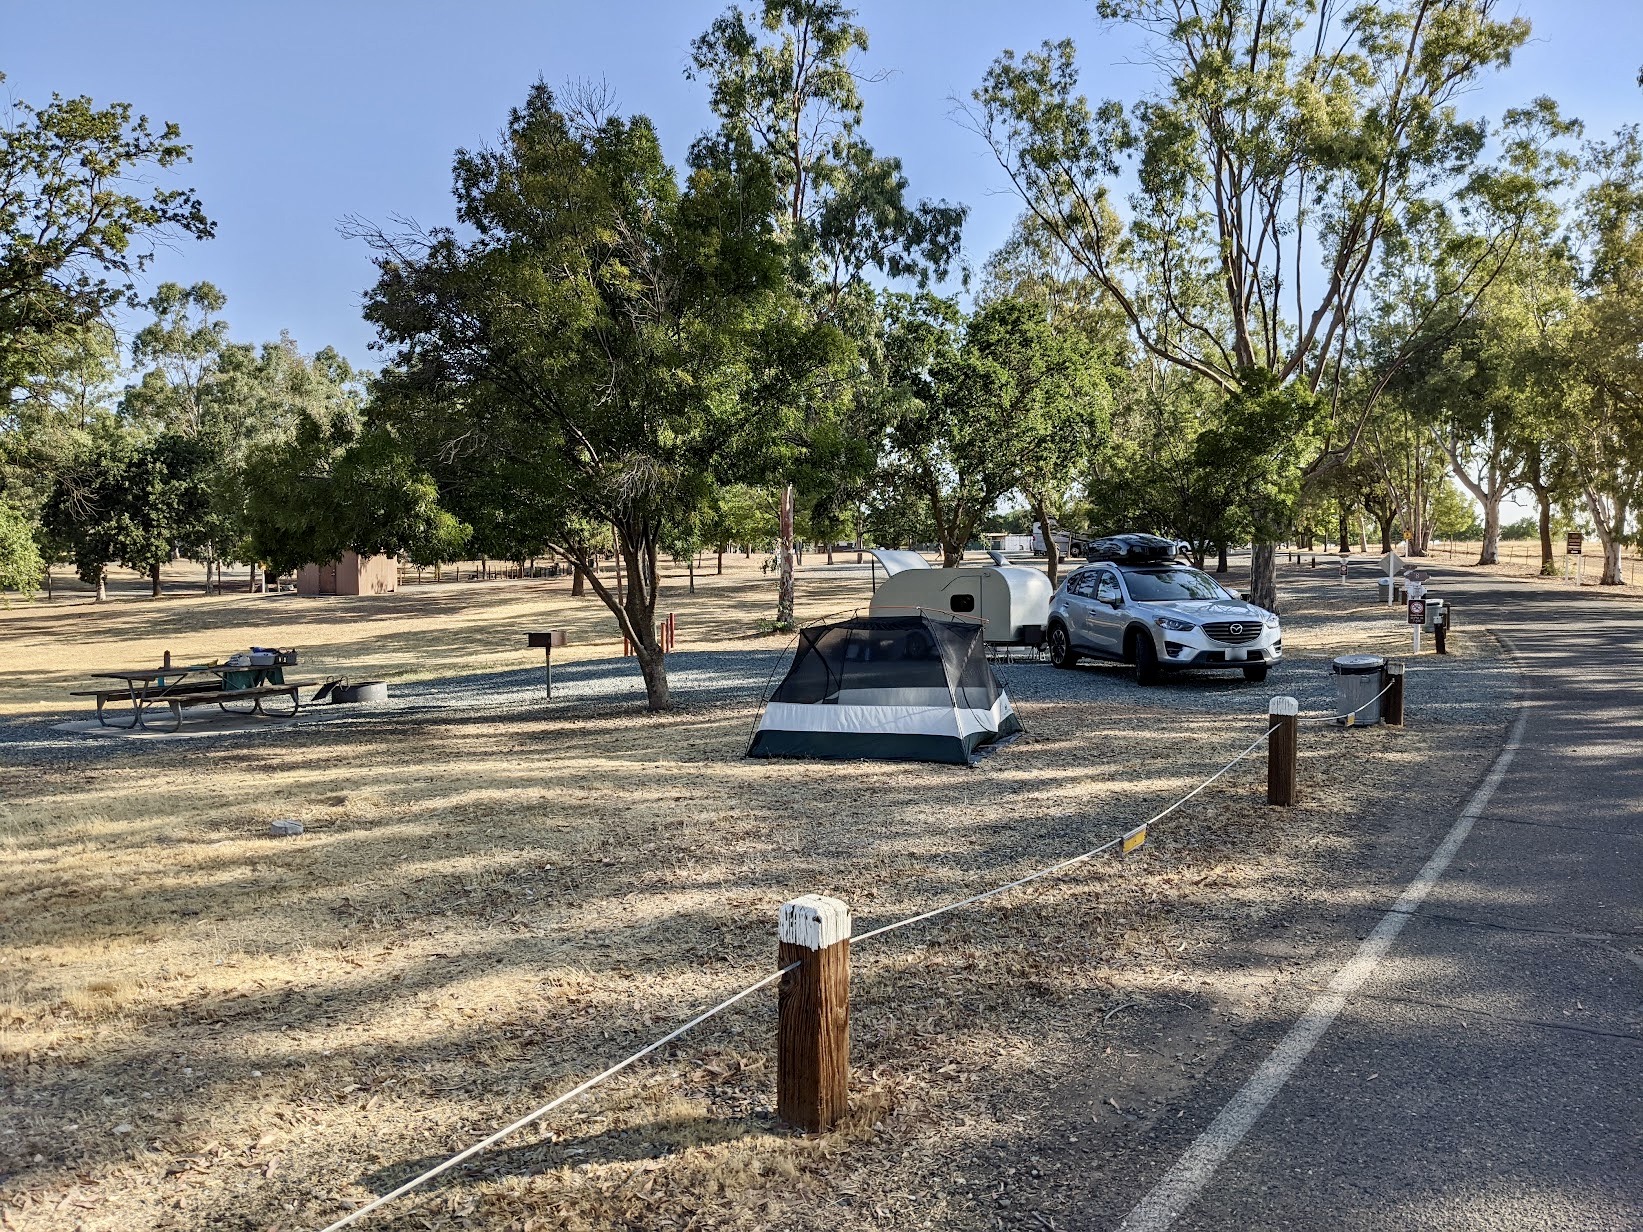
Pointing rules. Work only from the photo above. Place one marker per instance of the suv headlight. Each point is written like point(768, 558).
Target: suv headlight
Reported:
point(1271, 620)
point(1169, 622)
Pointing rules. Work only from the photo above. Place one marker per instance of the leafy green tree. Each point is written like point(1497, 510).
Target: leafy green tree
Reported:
point(783, 83)
point(82, 208)
point(129, 500)
point(1603, 433)
point(1454, 517)
point(981, 407)
point(1281, 139)
point(739, 514)
point(162, 502)
point(597, 309)
point(21, 566)
point(335, 486)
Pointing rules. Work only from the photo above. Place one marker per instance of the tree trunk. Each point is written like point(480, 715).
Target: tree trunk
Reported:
point(1386, 531)
point(1490, 555)
point(1346, 532)
point(1612, 530)
point(721, 568)
point(578, 581)
point(1052, 558)
point(653, 666)
point(784, 563)
point(1612, 573)
point(1220, 558)
point(1543, 498)
point(102, 585)
point(1263, 576)
point(154, 580)
point(692, 568)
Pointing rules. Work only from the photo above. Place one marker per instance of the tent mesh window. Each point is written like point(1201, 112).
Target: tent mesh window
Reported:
point(890, 660)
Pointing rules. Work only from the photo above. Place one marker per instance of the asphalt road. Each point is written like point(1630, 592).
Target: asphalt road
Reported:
point(1488, 1074)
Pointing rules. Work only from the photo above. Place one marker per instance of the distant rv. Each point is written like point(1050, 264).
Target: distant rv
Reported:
point(1067, 543)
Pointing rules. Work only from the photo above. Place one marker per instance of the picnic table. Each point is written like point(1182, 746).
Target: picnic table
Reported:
point(178, 687)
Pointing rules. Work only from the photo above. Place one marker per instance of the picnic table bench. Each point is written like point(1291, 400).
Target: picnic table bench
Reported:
point(170, 687)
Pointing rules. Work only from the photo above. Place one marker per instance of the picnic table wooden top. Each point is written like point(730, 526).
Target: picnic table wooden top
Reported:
point(176, 669)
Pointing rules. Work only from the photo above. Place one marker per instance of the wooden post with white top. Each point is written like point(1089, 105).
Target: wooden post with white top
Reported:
point(1282, 744)
point(813, 1011)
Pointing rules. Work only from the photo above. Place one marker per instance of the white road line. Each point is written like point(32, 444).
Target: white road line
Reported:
point(1182, 1183)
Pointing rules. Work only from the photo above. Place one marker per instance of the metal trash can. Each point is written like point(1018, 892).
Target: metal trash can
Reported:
point(1434, 614)
point(1359, 679)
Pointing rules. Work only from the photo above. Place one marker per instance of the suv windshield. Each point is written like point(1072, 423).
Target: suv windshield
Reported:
point(1171, 582)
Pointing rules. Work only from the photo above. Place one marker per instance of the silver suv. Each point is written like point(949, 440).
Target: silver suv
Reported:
point(1160, 616)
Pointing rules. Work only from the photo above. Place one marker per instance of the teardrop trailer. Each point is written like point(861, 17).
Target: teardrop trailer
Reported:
point(1012, 602)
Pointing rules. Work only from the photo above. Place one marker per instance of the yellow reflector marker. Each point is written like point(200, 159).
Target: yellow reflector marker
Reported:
point(1134, 839)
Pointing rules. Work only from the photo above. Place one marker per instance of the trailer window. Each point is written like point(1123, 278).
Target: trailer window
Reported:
point(964, 603)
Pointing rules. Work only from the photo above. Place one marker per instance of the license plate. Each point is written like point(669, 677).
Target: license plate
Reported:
point(1233, 655)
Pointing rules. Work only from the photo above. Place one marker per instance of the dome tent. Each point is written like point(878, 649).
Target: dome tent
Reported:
point(895, 688)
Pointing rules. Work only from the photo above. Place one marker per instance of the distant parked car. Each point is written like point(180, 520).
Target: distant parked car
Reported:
point(1159, 615)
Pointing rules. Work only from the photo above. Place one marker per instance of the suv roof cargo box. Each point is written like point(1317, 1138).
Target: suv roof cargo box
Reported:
point(1132, 549)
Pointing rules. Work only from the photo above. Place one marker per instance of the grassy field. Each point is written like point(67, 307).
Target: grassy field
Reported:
point(205, 1028)
point(423, 631)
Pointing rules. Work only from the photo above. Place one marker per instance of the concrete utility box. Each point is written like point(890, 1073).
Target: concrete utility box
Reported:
point(352, 575)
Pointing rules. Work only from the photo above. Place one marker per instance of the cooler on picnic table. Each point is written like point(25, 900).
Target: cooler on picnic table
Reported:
point(262, 666)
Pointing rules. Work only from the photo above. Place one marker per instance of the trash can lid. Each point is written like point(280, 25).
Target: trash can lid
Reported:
point(1358, 665)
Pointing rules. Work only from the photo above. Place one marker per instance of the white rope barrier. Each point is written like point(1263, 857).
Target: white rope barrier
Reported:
point(548, 1107)
point(1064, 864)
point(530, 1118)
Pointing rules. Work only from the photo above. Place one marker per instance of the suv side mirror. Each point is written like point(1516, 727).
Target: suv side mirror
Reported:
point(1244, 595)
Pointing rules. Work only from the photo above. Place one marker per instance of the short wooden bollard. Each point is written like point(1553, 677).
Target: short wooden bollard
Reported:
point(813, 1011)
point(1392, 703)
point(1281, 746)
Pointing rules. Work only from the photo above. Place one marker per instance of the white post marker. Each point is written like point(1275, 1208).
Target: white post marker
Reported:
point(813, 1012)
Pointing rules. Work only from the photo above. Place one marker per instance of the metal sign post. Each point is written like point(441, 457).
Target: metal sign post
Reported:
point(1417, 618)
point(547, 639)
point(1575, 547)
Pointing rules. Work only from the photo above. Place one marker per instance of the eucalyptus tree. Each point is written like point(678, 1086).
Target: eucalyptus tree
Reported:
point(783, 81)
point(85, 201)
point(1604, 435)
point(1284, 142)
point(598, 309)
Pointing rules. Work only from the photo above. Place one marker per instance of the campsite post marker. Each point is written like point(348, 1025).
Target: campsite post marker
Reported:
point(813, 1012)
point(1281, 746)
point(1392, 704)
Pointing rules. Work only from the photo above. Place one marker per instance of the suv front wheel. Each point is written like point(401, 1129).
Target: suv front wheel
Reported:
point(1061, 647)
point(1145, 656)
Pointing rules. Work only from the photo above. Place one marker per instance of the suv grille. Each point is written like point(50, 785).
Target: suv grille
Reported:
point(1234, 632)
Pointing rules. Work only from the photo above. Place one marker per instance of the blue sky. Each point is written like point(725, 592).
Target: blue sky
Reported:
point(302, 113)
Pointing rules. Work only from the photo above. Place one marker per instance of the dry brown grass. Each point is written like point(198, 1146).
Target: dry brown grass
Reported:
point(201, 1027)
point(1520, 559)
